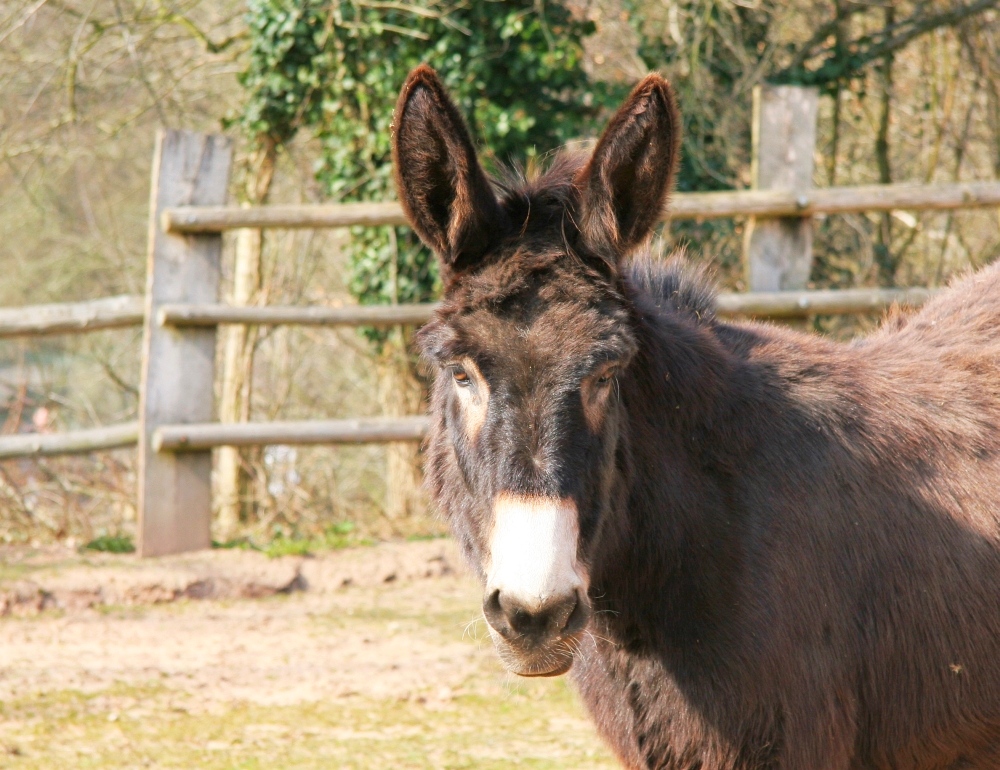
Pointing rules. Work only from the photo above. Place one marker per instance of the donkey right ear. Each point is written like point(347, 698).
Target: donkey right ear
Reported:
point(444, 192)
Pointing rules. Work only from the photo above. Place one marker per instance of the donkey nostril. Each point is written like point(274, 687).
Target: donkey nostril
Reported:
point(494, 613)
point(579, 616)
point(564, 614)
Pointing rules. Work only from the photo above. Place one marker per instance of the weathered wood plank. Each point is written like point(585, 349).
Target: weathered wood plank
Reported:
point(874, 197)
point(69, 442)
point(713, 205)
point(124, 311)
point(178, 365)
point(187, 438)
point(778, 252)
point(793, 304)
point(218, 218)
point(780, 304)
point(354, 315)
point(71, 317)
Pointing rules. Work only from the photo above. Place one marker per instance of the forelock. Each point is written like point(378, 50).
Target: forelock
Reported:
point(541, 206)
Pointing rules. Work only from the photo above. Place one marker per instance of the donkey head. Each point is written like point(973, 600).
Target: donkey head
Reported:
point(529, 348)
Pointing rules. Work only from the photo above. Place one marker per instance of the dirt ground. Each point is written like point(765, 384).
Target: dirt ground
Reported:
point(366, 658)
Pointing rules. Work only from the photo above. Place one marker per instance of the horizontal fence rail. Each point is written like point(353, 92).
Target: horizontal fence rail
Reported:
point(118, 312)
point(71, 317)
point(69, 442)
point(214, 219)
point(200, 436)
point(354, 315)
point(777, 304)
point(713, 205)
point(796, 304)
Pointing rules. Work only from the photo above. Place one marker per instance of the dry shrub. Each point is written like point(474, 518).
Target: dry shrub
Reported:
point(68, 498)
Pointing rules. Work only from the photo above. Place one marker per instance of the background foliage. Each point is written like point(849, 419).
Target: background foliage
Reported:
point(888, 73)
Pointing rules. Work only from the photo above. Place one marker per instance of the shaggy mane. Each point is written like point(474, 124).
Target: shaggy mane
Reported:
point(673, 283)
point(538, 200)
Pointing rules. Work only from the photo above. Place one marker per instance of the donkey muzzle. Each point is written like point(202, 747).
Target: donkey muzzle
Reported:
point(536, 639)
point(536, 591)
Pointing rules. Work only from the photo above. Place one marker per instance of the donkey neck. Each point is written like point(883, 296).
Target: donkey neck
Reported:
point(671, 524)
point(704, 400)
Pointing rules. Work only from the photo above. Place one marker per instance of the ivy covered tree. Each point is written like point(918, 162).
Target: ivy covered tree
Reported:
point(275, 97)
point(513, 66)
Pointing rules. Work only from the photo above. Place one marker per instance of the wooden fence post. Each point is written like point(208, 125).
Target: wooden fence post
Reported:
point(778, 252)
point(178, 364)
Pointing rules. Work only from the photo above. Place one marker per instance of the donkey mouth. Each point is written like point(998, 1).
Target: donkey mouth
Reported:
point(533, 642)
point(552, 660)
point(554, 672)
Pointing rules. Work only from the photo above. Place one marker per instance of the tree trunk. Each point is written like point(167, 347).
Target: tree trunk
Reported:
point(842, 33)
point(401, 393)
point(887, 264)
point(233, 483)
point(237, 382)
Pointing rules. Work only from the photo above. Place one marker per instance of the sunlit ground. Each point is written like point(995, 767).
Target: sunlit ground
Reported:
point(397, 676)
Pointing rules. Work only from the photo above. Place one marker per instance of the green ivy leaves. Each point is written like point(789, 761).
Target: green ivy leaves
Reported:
point(513, 66)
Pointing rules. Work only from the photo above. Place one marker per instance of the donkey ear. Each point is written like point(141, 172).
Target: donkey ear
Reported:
point(625, 184)
point(444, 191)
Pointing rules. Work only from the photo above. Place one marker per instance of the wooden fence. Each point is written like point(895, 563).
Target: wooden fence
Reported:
point(180, 313)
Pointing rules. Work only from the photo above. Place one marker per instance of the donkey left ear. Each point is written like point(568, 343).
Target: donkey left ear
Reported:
point(445, 193)
point(624, 186)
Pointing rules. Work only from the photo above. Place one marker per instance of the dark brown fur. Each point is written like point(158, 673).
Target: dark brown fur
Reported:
point(793, 544)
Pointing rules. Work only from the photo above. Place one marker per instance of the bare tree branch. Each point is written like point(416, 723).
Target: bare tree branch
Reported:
point(835, 66)
point(815, 45)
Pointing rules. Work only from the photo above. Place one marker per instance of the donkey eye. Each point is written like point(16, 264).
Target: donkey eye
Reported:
point(461, 376)
point(606, 377)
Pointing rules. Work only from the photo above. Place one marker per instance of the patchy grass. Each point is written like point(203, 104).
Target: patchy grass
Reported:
point(533, 725)
point(283, 543)
point(111, 544)
point(399, 675)
point(12, 572)
point(18, 563)
point(427, 536)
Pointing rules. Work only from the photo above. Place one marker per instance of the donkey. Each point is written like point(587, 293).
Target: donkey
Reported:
point(754, 547)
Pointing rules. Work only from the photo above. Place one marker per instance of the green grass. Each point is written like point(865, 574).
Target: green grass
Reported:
point(111, 544)
point(334, 537)
point(427, 536)
point(12, 572)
